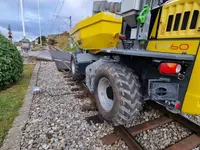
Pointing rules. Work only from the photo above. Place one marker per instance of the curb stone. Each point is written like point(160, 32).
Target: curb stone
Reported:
point(13, 138)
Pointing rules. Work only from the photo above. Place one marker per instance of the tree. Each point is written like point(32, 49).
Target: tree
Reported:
point(44, 40)
point(11, 63)
point(52, 41)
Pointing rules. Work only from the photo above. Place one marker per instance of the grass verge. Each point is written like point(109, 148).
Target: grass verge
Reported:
point(36, 48)
point(11, 100)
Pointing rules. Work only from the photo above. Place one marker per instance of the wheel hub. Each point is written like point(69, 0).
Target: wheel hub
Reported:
point(105, 94)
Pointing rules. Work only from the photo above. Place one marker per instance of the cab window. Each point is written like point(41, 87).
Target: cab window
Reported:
point(185, 20)
point(194, 19)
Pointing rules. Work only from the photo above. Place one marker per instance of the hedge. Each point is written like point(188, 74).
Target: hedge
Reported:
point(11, 63)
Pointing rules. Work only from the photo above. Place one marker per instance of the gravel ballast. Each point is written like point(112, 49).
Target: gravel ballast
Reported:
point(163, 136)
point(56, 120)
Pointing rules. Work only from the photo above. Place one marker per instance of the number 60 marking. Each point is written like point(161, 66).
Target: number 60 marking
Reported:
point(182, 47)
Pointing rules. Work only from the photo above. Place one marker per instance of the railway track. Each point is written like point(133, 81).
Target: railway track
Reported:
point(128, 134)
point(53, 48)
point(62, 59)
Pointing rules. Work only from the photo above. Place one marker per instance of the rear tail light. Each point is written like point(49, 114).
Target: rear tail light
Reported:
point(170, 68)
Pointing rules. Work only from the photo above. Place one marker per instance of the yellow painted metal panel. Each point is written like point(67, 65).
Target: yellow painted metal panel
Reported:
point(175, 7)
point(191, 103)
point(174, 46)
point(99, 31)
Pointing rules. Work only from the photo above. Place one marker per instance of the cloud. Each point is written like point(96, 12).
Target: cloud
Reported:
point(49, 23)
point(31, 17)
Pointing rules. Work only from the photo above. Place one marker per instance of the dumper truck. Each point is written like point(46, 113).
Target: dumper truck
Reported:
point(148, 51)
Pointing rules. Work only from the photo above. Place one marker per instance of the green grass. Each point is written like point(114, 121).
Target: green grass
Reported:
point(69, 49)
point(36, 48)
point(63, 44)
point(11, 100)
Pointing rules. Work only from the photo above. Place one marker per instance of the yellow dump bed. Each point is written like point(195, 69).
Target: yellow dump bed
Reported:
point(99, 31)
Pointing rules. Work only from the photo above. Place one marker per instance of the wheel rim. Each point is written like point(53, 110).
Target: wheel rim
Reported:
point(105, 94)
point(73, 67)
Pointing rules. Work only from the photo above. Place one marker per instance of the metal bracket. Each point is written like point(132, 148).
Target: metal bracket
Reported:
point(162, 89)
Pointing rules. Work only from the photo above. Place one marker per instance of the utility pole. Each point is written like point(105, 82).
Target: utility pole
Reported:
point(25, 44)
point(69, 18)
point(22, 15)
point(59, 33)
point(84, 9)
point(70, 22)
point(39, 23)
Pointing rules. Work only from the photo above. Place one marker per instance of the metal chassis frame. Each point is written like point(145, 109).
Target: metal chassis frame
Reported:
point(144, 53)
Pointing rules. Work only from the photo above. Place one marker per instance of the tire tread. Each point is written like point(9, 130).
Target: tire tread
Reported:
point(77, 75)
point(129, 88)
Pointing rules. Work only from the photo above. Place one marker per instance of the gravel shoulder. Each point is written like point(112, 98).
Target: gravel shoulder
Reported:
point(56, 120)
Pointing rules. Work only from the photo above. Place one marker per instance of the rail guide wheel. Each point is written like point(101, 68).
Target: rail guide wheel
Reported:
point(117, 94)
point(74, 68)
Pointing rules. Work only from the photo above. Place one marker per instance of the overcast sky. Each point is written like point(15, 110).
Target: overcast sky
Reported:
point(11, 14)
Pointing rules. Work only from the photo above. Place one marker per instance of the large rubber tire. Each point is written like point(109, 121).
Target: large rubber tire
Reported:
point(74, 68)
point(127, 97)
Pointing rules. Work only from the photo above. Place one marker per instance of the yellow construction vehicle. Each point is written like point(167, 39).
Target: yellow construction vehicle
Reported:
point(148, 52)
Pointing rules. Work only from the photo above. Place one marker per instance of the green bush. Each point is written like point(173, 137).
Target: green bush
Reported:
point(11, 63)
